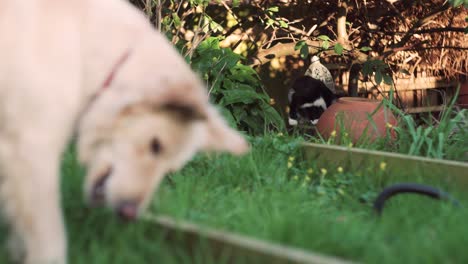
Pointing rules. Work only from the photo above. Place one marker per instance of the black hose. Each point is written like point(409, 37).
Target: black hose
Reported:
point(390, 191)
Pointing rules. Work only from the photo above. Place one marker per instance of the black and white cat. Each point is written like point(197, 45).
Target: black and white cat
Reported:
point(308, 99)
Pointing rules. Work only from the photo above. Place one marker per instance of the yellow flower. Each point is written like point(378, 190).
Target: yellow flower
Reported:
point(340, 169)
point(333, 133)
point(310, 170)
point(388, 125)
point(323, 171)
point(350, 145)
point(295, 178)
point(291, 158)
point(307, 178)
point(280, 134)
point(289, 164)
point(383, 165)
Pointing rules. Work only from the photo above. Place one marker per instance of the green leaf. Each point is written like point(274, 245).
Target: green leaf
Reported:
point(272, 116)
point(325, 45)
point(198, 2)
point(299, 44)
point(239, 112)
point(228, 117)
point(367, 68)
point(226, 61)
point(338, 48)
point(324, 38)
point(273, 9)
point(387, 79)
point(215, 86)
point(365, 49)
point(283, 24)
point(166, 20)
point(270, 22)
point(228, 84)
point(245, 96)
point(304, 51)
point(254, 123)
point(208, 44)
point(235, 87)
point(176, 19)
point(378, 77)
point(245, 74)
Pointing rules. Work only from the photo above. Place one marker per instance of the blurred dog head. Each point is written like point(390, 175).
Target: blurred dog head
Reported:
point(150, 121)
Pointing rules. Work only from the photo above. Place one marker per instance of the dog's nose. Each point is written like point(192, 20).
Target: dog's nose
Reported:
point(128, 210)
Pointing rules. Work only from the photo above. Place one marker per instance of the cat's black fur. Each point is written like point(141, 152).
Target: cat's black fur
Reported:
point(302, 95)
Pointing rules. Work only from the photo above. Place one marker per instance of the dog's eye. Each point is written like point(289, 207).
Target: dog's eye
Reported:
point(155, 146)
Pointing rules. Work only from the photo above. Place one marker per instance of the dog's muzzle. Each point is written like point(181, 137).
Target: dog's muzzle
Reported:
point(98, 190)
point(127, 210)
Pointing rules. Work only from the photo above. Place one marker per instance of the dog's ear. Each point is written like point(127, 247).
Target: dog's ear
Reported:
point(186, 101)
point(220, 137)
point(190, 102)
point(185, 112)
point(181, 111)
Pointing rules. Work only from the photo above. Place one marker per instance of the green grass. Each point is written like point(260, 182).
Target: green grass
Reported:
point(270, 195)
point(258, 195)
point(98, 236)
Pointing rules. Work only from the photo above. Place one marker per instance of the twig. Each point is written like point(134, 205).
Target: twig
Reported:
point(219, 73)
point(182, 18)
point(290, 37)
point(432, 30)
point(421, 22)
point(297, 30)
point(437, 47)
point(158, 9)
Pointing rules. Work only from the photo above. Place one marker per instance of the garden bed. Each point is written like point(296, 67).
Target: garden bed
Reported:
point(276, 194)
point(279, 194)
point(228, 247)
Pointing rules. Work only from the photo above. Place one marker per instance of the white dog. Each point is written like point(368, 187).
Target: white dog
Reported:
point(99, 67)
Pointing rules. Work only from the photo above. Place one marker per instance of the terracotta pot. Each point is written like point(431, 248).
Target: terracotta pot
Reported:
point(354, 114)
point(463, 96)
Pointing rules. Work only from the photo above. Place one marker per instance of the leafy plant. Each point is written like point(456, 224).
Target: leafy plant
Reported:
point(271, 19)
point(303, 48)
point(233, 86)
point(338, 48)
point(445, 140)
point(377, 68)
point(326, 41)
point(236, 88)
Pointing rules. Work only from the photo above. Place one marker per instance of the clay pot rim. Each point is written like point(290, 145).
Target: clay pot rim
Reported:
point(352, 100)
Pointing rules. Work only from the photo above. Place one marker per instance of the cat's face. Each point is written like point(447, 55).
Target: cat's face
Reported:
point(312, 111)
